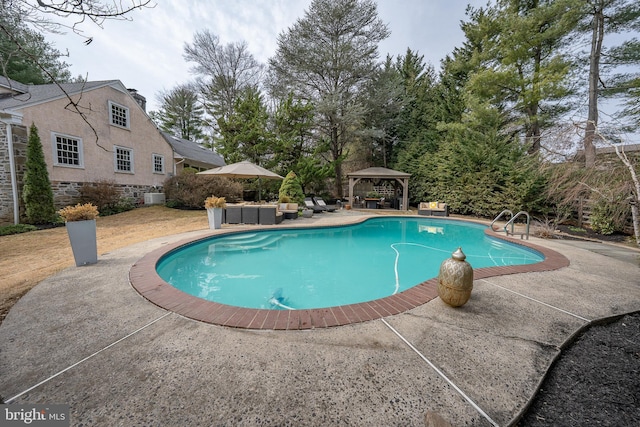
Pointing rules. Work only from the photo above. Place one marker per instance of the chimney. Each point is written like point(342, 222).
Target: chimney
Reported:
point(141, 100)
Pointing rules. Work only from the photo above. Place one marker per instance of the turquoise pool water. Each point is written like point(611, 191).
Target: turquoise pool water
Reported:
point(326, 267)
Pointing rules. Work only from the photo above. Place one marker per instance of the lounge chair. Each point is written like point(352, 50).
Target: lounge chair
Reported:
point(322, 204)
point(310, 204)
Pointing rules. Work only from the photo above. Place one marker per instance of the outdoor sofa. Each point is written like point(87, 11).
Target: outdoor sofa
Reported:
point(433, 209)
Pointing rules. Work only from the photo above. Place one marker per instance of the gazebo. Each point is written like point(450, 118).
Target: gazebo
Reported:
point(381, 174)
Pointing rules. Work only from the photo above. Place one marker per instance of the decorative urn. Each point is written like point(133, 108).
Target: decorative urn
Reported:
point(455, 280)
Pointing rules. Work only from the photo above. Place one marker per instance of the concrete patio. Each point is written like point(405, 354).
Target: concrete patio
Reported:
point(86, 338)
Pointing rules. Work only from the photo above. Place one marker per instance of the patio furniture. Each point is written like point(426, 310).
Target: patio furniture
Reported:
point(433, 209)
point(310, 204)
point(270, 215)
point(250, 214)
point(320, 202)
point(371, 203)
point(233, 214)
point(290, 210)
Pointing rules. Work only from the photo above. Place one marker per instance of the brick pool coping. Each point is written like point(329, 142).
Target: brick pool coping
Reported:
point(146, 281)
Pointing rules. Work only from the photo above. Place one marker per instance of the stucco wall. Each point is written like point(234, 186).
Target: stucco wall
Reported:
point(142, 137)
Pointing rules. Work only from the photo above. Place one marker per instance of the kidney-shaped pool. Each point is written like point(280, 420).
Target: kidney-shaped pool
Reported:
point(296, 269)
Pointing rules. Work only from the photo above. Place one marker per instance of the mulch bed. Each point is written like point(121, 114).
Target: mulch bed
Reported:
point(587, 233)
point(595, 381)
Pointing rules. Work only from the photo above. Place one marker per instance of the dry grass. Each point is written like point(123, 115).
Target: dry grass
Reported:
point(28, 258)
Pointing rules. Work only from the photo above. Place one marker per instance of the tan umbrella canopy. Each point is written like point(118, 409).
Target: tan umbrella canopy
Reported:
point(244, 169)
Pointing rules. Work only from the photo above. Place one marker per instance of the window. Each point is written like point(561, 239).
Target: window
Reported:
point(158, 163)
point(67, 151)
point(123, 159)
point(119, 115)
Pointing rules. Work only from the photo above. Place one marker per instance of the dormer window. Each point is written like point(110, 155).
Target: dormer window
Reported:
point(119, 115)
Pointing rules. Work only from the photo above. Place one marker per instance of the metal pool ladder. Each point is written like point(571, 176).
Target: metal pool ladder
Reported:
point(511, 223)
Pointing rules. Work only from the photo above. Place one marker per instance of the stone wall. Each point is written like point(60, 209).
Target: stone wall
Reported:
point(69, 193)
point(20, 158)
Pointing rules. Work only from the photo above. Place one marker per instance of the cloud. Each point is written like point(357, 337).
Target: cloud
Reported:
point(146, 52)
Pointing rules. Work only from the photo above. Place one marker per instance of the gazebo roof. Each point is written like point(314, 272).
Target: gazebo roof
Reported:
point(378, 173)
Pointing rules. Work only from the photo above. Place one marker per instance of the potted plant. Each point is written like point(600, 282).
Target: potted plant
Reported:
point(214, 207)
point(81, 228)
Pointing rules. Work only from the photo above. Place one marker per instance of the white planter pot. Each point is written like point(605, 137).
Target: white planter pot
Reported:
point(215, 218)
point(82, 235)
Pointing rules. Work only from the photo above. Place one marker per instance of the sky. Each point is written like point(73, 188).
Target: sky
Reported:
point(146, 52)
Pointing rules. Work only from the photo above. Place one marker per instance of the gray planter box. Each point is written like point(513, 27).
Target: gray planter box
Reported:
point(82, 235)
point(215, 218)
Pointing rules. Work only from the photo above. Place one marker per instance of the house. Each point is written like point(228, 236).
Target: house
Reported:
point(188, 154)
point(112, 140)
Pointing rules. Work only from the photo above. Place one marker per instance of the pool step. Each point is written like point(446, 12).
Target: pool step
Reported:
point(247, 243)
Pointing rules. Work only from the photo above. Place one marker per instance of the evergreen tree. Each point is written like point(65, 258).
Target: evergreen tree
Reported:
point(181, 113)
point(522, 70)
point(602, 18)
point(291, 188)
point(37, 193)
point(245, 133)
point(25, 56)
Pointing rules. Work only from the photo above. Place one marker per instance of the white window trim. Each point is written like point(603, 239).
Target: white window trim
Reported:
point(128, 116)
point(115, 159)
point(153, 163)
point(54, 146)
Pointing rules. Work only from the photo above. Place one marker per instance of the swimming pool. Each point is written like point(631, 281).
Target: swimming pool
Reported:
point(294, 269)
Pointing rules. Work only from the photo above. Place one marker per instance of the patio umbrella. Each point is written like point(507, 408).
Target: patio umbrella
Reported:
point(246, 170)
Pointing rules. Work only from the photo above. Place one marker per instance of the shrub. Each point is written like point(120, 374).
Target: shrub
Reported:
point(106, 196)
point(292, 189)
point(190, 190)
point(16, 229)
point(602, 220)
point(79, 212)
point(37, 193)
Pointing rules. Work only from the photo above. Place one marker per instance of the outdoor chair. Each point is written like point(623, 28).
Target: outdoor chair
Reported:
point(250, 214)
point(233, 214)
point(270, 215)
point(320, 202)
point(289, 210)
point(310, 204)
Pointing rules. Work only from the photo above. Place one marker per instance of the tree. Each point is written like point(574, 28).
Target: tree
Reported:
point(384, 99)
point(293, 133)
point(245, 134)
point(325, 58)
point(22, 50)
point(601, 18)
point(181, 113)
point(481, 169)
point(46, 16)
point(291, 189)
point(522, 69)
point(225, 71)
point(36, 192)
point(419, 119)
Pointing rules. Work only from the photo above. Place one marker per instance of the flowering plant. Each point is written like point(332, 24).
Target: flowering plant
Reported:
point(215, 202)
point(79, 212)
